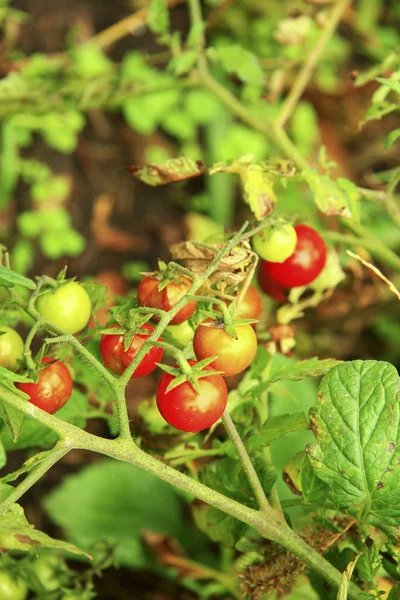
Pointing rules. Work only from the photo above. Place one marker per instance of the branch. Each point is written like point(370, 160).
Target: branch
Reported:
point(309, 66)
point(246, 463)
point(53, 456)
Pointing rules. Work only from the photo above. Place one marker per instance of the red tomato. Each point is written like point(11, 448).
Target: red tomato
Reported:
point(184, 408)
point(149, 295)
point(269, 286)
point(117, 359)
point(233, 355)
point(306, 262)
point(251, 305)
point(53, 388)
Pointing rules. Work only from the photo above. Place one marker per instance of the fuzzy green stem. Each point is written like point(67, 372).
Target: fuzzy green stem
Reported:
point(45, 464)
point(246, 463)
point(310, 65)
point(27, 345)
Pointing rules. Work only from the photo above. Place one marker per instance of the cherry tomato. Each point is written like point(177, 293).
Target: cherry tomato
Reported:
point(269, 286)
point(306, 262)
point(182, 333)
point(184, 408)
point(211, 339)
point(149, 295)
point(53, 388)
point(67, 307)
point(250, 306)
point(117, 359)
point(11, 348)
point(275, 244)
point(12, 589)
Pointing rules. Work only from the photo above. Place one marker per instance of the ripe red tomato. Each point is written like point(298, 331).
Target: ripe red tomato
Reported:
point(117, 359)
point(11, 348)
point(251, 305)
point(269, 286)
point(306, 262)
point(53, 388)
point(233, 355)
point(149, 295)
point(184, 408)
point(67, 307)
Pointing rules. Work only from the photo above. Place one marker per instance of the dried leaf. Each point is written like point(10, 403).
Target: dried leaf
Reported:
point(175, 169)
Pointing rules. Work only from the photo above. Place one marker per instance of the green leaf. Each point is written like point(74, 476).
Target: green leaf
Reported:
point(158, 17)
point(356, 424)
point(392, 84)
point(315, 491)
point(9, 278)
point(328, 196)
point(115, 502)
point(353, 197)
point(17, 534)
point(276, 427)
point(239, 61)
point(301, 369)
point(174, 169)
point(346, 576)
point(391, 138)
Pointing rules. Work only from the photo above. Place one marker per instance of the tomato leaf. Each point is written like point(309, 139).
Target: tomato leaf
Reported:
point(104, 496)
point(276, 427)
point(391, 138)
point(158, 17)
point(356, 424)
point(17, 534)
point(174, 169)
point(330, 198)
point(9, 278)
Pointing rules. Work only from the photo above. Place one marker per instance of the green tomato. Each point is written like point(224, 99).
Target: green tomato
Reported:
point(67, 307)
point(12, 589)
point(182, 333)
point(11, 349)
point(277, 244)
point(46, 568)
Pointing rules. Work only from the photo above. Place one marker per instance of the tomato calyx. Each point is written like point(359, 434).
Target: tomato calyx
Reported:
point(133, 324)
point(189, 371)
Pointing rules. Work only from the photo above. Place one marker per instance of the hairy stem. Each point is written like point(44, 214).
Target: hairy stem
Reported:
point(33, 476)
point(246, 463)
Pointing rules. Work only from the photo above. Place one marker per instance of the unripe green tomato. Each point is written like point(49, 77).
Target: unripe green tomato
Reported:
point(11, 349)
point(276, 245)
point(182, 333)
point(67, 307)
point(46, 568)
point(12, 589)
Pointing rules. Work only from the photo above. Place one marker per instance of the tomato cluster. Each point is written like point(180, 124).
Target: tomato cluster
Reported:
point(291, 257)
point(300, 268)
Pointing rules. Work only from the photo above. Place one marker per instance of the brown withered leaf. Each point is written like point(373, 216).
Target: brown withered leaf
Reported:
point(232, 269)
point(169, 554)
point(174, 169)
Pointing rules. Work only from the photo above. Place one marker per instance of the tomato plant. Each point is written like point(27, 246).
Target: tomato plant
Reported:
point(67, 307)
point(188, 410)
point(12, 589)
point(149, 295)
point(116, 358)
point(53, 387)
point(11, 348)
point(275, 244)
point(304, 265)
point(233, 355)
